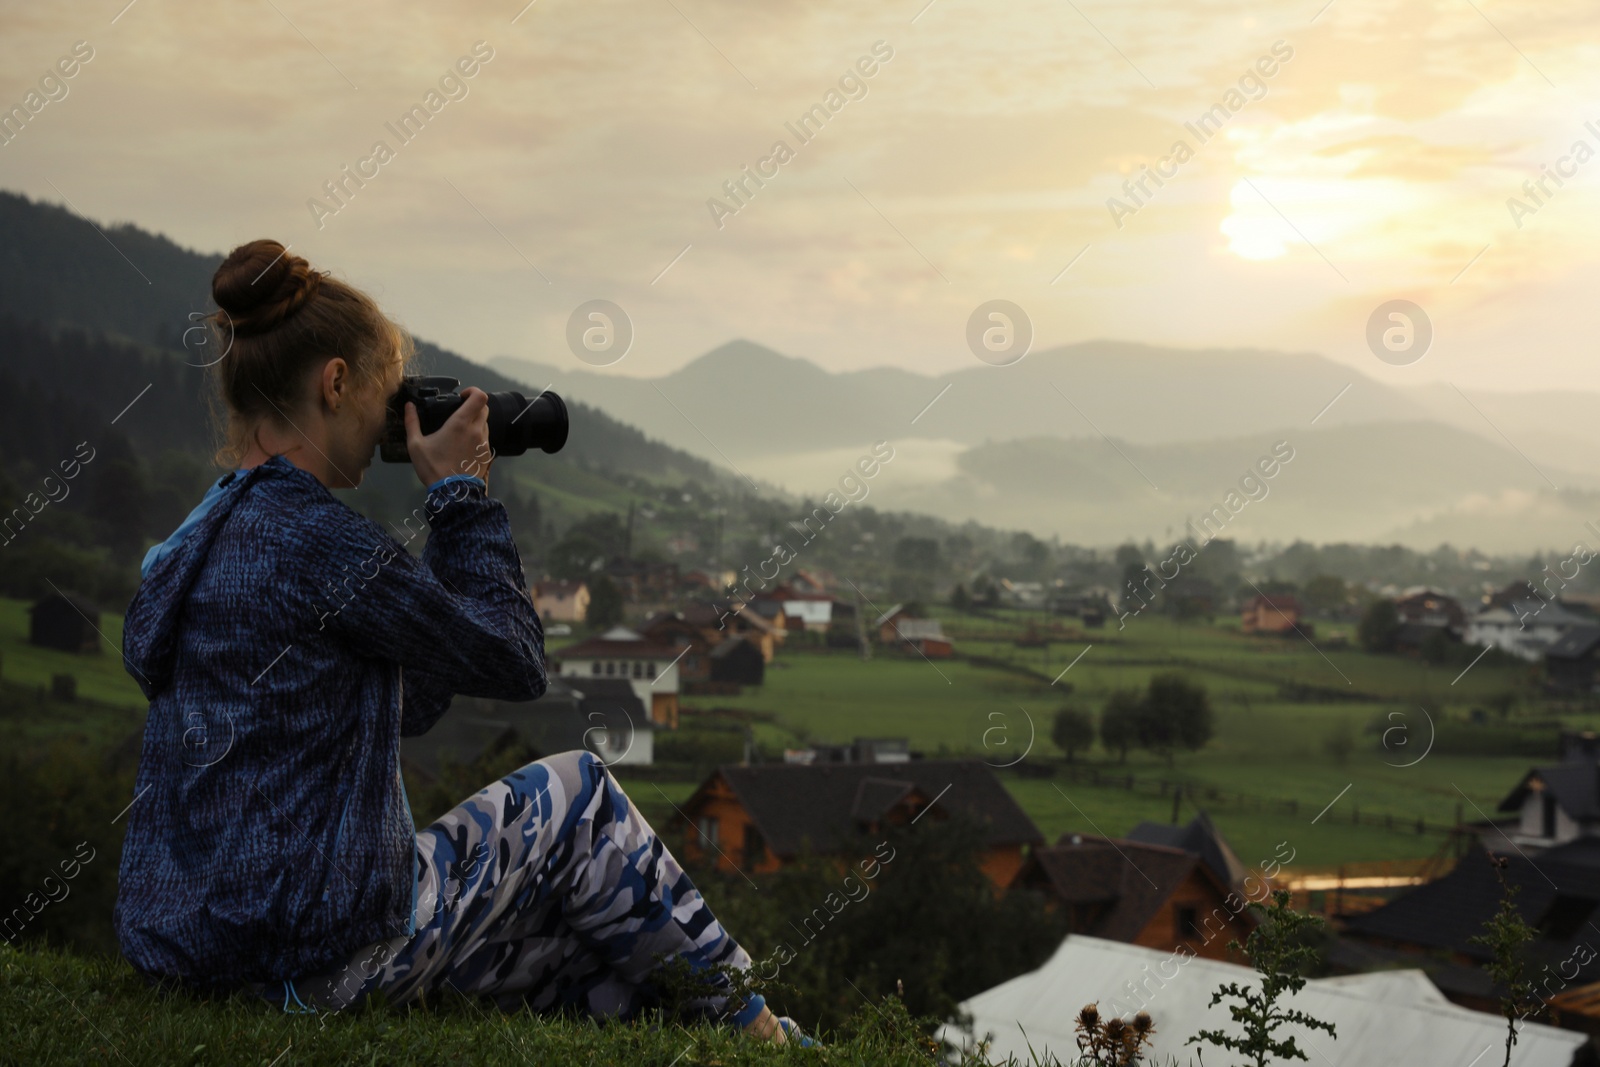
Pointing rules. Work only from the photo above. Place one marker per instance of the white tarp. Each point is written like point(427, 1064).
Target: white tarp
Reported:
point(1389, 1019)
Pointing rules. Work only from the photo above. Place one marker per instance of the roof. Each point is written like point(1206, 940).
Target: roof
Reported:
point(1576, 787)
point(1136, 879)
point(891, 613)
point(1200, 837)
point(1531, 611)
point(619, 643)
point(1576, 643)
point(1382, 1020)
point(793, 803)
point(704, 614)
point(919, 630)
point(1447, 913)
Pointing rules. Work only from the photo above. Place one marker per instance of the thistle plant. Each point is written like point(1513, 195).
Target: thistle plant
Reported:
point(1112, 1042)
point(1504, 936)
point(1279, 953)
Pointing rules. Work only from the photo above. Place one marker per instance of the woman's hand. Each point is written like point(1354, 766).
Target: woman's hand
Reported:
point(460, 446)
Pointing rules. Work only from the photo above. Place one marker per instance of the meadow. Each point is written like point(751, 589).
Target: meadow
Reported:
point(1281, 708)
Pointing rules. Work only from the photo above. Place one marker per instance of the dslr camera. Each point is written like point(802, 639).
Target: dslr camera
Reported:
point(516, 423)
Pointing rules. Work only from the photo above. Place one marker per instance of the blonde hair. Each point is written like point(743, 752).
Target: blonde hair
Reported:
point(277, 319)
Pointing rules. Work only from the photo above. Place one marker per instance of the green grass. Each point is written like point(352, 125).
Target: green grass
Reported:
point(101, 675)
point(1264, 745)
point(57, 1008)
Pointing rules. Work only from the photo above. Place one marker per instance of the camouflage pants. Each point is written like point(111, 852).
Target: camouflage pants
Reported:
point(547, 888)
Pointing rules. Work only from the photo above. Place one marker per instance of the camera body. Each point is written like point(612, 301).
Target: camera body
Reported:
point(516, 423)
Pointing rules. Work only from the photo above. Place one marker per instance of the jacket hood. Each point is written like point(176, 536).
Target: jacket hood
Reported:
point(150, 629)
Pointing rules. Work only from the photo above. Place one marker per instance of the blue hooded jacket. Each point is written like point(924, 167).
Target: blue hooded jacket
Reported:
point(286, 644)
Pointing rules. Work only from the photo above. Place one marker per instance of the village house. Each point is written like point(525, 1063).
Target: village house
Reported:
point(1570, 664)
point(1434, 926)
point(601, 715)
point(1525, 628)
point(737, 662)
point(1143, 894)
point(557, 600)
point(1278, 614)
point(810, 611)
point(673, 629)
point(1560, 802)
point(64, 623)
point(760, 817)
point(650, 668)
point(717, 619)
point(898, 627)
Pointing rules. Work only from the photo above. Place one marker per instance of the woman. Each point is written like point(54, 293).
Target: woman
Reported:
point(286, 644)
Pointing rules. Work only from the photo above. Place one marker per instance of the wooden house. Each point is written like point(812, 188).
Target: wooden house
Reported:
point(672, 629)
point(1570, 663)
point(1142, 894)
point(757, 818)
point(1272, 615)
point(738, 661)
point(64, 623)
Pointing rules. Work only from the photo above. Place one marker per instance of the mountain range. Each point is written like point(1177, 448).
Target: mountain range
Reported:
point(1103, 441)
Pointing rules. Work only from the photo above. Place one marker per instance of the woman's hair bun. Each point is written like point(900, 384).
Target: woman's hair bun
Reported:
point(261, 284)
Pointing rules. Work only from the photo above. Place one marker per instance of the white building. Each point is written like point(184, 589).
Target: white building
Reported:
point(652, 669)
point(1525, 629)
point(1386, 1019)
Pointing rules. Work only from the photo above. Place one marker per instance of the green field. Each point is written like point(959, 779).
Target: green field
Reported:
point(1267, 745)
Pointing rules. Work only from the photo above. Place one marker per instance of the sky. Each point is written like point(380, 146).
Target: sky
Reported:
point(985, 158)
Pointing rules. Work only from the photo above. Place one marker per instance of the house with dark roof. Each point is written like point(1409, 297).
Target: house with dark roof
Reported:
point(760, 817)
point(65, 623)
point(1433, 925)
point(672, 628)
point(1525, 627)
point(1570, 663)
point(1199, 837)
point(650, 667)
point(1556, 804)
point(1140, 893)
point(718, 619)
point(737, 661)
point(1431, 609)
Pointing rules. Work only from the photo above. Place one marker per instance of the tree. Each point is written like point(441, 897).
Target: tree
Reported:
point(917, 554)
point(960, 599)
point(1326, 594)
point(587, 545)
point(1379, 627)
point(1073, 730)
point(1280, 953)
point(605, 602)
point(1119, 721)
point(1175, 713)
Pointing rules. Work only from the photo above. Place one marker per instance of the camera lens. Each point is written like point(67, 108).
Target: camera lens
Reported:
point(517, 424)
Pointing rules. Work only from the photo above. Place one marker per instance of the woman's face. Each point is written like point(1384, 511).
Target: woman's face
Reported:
point(357, 426)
